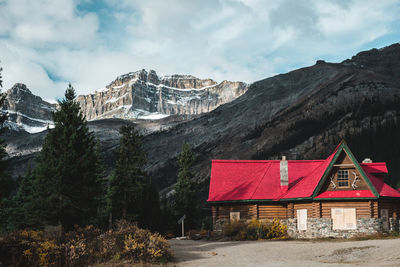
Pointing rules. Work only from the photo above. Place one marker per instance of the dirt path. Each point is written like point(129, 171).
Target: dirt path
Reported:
point(287, 253)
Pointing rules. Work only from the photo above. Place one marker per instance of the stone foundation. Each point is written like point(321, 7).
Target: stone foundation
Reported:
point(394, 224)
point(322, 228)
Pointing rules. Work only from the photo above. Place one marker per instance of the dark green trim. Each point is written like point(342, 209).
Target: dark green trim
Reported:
point(327, 170)
point(242, 201)
point(344, 198)
point(296, 199)
point(355, 162)
point(343, 147)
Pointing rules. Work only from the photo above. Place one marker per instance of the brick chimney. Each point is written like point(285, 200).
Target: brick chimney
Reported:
point(367, 160)
point(284, 173)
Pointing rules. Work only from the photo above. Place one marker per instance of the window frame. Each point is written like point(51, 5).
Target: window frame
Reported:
point(343, 179)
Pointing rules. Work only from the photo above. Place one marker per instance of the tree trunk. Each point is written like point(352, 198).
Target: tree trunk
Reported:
point(124, 207)
point(110, 221)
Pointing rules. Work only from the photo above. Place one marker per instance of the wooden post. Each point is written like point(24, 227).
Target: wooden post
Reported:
point(183, 228)
point(182, 221)
point(290, 210)
point(371, 209)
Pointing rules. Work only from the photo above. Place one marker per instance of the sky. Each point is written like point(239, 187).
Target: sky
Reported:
point(47, 44)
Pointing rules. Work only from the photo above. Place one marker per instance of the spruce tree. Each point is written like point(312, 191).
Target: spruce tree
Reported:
point(150, 214)
point(128, 180)
point(67, 175)
point(20, 206)
point(7, 184)
point(185, 194)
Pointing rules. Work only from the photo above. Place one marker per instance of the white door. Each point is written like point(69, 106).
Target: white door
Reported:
point(302, 219)
point(235, 216)
point(385, 219)
point(337, 218)
point(350, 220)
point(343, 219)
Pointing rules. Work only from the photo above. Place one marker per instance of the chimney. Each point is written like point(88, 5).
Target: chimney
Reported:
point(367, 160)
point(284, 172)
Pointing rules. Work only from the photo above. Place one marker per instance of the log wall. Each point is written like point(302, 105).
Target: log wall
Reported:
point(271, 211)
point(363, 208)
point(315, 209)
point(392, 205)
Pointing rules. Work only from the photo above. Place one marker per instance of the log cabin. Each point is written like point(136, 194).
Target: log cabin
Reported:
point(334, 197)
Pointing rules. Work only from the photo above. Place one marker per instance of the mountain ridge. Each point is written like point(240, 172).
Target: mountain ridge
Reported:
point(302, 114)
point(124, 97)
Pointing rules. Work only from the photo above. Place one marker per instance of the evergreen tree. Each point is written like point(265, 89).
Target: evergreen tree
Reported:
point(150, 214)
point(67, 175)
point(131, 195)
point(20, 206)
point(185, 194)
point(128, 180)
point(7, 184)
point(104, 183)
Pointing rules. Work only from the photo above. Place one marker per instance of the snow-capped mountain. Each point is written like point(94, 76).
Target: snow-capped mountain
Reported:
point(137, 95)
point(145, 95)
point(27, 111)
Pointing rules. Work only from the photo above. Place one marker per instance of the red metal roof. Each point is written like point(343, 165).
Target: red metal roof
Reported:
point(346, 194)
point(376, 167)
point(241, 180)
point(383, 189)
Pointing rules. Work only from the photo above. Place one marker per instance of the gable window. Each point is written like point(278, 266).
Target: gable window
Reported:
point(343, 178)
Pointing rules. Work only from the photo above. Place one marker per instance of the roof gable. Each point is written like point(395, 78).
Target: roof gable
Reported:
point(343, 148)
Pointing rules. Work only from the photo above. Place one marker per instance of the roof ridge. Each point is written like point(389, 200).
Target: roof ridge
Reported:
point(302, 179)
point(261, 179)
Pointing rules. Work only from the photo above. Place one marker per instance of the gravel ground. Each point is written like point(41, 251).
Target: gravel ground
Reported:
point(286, 253)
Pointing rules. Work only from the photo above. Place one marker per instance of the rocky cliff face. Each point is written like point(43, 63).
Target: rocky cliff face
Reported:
point(27, 111)
point(145, 95)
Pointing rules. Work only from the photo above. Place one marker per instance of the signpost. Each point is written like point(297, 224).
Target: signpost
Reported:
point(182, 221)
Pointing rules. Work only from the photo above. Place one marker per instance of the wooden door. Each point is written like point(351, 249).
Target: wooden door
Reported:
point(343, 219)
point(302, 219)
point(385, 219)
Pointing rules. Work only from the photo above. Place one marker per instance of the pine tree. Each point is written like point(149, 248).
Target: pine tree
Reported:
point(150, 214)
point(7, 184)
point(104, 184)
point(185, 194)
point(19, 214)
point(128, 181)
point(67, 175)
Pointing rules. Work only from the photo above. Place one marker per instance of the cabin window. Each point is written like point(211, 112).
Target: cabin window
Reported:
point(235, 216)
point(343, 219)
point(343, 178)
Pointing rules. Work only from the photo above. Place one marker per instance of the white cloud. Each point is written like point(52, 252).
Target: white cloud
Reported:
point(227, 39)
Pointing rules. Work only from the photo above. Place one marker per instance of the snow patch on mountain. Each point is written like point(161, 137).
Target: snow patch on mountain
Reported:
point(25, 127)
point(30, 118)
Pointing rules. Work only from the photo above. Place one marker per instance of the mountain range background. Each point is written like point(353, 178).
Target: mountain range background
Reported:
point(302, 114)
